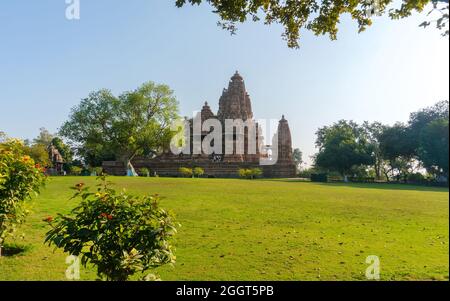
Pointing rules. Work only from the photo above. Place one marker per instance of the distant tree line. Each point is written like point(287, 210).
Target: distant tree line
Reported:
point(393, 153)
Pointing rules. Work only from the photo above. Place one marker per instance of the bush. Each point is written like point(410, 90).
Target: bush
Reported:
point(198, 172)
point(75, 170)
point(256, 172)
point(244, 173)
point(97, 171)
point(319, 177)
point(416, 178)
point(186, 172)
point(144, 172)
point(20, 179)
point(118, 233)
point(250, 173)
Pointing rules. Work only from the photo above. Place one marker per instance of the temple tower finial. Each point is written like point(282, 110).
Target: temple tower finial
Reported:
point(235, 102)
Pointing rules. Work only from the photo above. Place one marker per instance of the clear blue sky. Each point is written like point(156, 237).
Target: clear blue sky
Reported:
point(47, 64)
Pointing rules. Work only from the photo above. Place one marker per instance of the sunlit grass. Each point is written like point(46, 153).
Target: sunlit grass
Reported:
point(267, 230)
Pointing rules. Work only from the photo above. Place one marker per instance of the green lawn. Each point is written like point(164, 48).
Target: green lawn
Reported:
point(268, 230)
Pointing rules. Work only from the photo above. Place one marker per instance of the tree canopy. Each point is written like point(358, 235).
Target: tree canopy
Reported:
point(434, 147)
point(106, 127)
point(395, 151)
point(320, 17)
point(297, 155)
point(343, 146)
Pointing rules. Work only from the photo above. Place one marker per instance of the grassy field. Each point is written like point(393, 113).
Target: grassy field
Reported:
point(267, 230)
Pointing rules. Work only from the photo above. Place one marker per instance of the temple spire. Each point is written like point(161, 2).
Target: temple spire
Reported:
point(235, 102)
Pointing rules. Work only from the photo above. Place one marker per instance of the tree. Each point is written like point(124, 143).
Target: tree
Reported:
point(298, 158)
point(342, 146)
point(44, 138)
point(373, 132)
point(427, 127)
point(39, 153)
point(420, 119)
point(105, 127)
point(320, 17)
point(398, 148)
point(433, 150)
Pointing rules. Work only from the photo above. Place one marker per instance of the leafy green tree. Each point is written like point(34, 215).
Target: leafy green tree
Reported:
point(136, 123)
point(343, 146)
point(118, 233)
point(398, 148)
point(298, 158)
point(433, 150)
point(320, 17)
point(39, 153)
point(420, 119)
point(20, 179)
point(45, 137)
point(373, 132)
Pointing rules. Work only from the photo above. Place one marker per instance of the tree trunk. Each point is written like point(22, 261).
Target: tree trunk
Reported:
point(378, 169)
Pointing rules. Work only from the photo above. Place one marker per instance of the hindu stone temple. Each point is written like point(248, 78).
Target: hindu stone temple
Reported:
point(234, 104)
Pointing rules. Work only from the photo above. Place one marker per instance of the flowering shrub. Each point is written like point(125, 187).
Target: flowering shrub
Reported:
point(119, 233)
point(20, 179)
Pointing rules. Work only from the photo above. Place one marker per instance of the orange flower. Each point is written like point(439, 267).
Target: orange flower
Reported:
point(110, 217)
point(48, 219)
point(79, 186)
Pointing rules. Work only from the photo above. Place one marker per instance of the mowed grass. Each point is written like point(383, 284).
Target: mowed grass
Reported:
point(267, 230)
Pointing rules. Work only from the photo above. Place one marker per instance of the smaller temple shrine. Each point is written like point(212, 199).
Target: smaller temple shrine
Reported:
point(57, 161)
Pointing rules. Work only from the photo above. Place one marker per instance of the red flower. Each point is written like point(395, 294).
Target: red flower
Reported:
point(48, 219)
point(106, 215)
point(79, 186)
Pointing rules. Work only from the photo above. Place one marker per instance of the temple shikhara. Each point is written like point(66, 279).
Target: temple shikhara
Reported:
point(234, 104)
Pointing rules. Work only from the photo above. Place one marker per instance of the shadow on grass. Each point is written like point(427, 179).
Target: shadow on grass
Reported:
point(14, 250)
point(383, 186)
